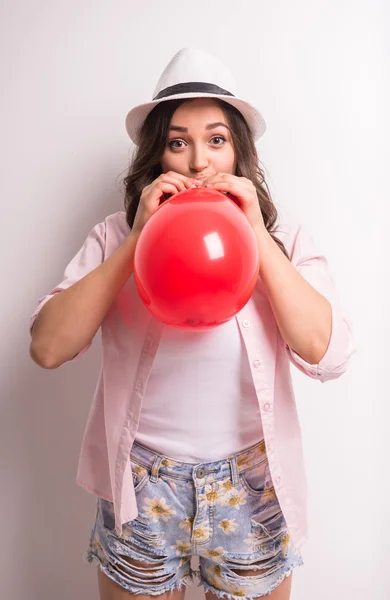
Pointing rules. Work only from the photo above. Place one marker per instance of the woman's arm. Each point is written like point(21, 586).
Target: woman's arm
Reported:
point(70, 320)
point(303, 315)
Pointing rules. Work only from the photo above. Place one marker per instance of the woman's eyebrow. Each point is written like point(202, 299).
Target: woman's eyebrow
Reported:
point(214, 125)
point(208, 127)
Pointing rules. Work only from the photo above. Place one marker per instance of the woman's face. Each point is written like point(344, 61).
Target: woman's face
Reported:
point(199, 142)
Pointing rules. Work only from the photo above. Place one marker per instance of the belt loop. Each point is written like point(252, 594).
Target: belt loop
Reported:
point(155, 469)
point(234, 470)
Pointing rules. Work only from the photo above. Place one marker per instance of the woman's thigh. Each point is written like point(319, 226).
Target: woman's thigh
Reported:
point(282, 592)
point(110, 590)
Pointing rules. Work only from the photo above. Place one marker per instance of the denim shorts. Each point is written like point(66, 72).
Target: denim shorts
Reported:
point(224, 512)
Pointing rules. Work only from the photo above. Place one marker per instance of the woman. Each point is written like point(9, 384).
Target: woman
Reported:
point(193, 444)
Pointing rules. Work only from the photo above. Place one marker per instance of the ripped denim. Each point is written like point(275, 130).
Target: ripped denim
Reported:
point(224, 512)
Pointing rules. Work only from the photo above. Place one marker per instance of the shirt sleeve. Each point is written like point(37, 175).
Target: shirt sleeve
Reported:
point(90, 256)
point(313, 266)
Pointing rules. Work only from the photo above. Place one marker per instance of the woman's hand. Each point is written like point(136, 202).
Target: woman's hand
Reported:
point(245, 192)
point(167, 183)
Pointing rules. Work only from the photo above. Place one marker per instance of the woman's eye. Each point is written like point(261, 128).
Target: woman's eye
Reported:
point(173, 142)
point(217, 140)
point(221, 138)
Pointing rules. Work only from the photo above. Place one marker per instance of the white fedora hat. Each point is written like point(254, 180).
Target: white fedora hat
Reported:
point(193, 73)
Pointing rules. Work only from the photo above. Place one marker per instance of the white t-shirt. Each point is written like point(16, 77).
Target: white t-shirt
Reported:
point(200, 402)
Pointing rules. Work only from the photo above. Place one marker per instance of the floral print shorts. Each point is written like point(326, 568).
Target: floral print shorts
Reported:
point(224, 512)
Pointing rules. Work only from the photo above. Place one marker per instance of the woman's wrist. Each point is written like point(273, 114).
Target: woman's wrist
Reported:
point(262, 236)
point(134, 235)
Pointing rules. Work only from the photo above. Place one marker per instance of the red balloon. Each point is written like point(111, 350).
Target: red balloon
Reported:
point(196, 261)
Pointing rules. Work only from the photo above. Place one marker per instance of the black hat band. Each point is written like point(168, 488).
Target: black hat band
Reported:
point(192, 88)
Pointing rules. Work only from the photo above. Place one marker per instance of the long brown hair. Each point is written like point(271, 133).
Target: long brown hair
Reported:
point(145, 166)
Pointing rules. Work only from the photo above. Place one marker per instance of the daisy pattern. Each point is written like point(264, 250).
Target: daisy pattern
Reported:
point(166, 462)
point(212, 494)
point(244, 461)
point(256, 543)
point(181, 547)
point(216, 554)
point(214, 571)
point(235, 498)
point(138, 469)
point(285, 543)
point(251, 457)
point(187, 524)
point(202, 533)
point(239, 592)
point(269, 495)
point(170, 482)
point(250, 538)
point(157, 508)
point(226, 485)
point(96, 547)
point(213, 581)
point(228, 525)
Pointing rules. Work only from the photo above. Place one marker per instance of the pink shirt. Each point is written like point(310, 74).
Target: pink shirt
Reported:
point(130, 338)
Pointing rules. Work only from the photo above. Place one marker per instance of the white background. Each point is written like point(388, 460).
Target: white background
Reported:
point(69, 73)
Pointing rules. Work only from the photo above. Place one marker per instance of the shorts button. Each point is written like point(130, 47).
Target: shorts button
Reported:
point(201, 473)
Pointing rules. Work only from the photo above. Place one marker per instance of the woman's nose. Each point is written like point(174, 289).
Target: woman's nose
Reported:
point(199, 160)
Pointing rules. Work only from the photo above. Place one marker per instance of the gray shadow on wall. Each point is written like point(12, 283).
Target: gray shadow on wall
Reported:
point(43, 413)
point(43, 417)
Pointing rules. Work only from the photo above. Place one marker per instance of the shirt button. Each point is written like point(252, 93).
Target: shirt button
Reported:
point(246, 323)
point(266, 406)
point(277, 480)
point(256, 364)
